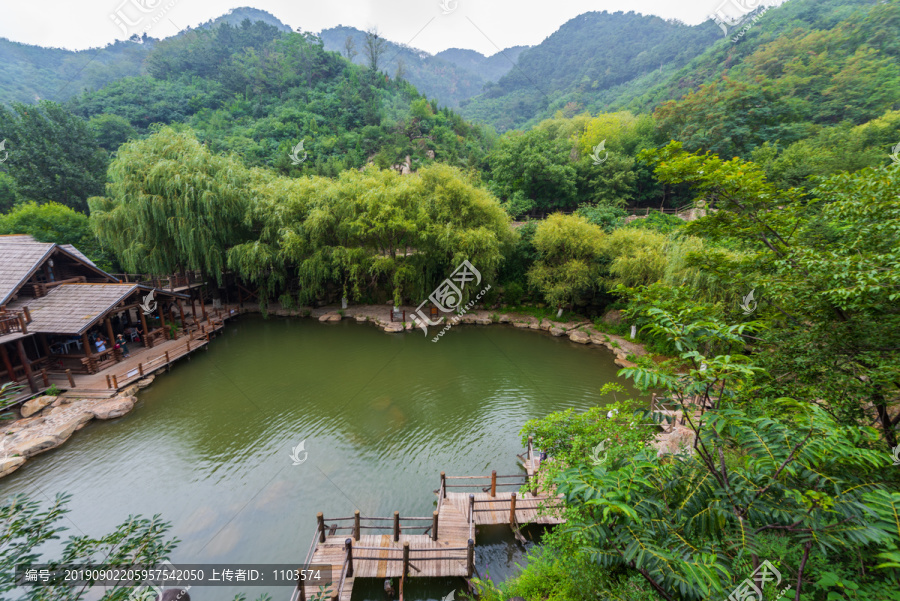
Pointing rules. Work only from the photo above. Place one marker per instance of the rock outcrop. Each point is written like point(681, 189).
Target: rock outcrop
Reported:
point(31, 407)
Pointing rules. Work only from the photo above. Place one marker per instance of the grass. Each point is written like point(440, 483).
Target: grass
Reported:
point(546, 313)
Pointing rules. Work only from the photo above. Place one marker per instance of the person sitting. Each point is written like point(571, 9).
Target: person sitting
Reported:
point(101, 344)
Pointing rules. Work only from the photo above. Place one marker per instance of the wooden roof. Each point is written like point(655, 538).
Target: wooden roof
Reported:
point(75, 308)
point(21, 255)
point(18, 260)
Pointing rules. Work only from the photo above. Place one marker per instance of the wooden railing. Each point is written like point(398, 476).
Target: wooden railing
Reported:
point(170, 282)
point(116, 381)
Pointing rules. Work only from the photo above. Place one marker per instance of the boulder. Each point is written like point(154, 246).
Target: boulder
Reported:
point(360, 318)
point(613, 316)
point(621, 361)
point(10, 464)
point(145, 382)
point(34, 405)
point(21, 424)
point(331, 317)
point(113, 408)
point(522, 324)
point(546, 324)
point(579, 337)
point(601, 340)
point(535, 325)
point(484, 321)
point(504, 319)
point(393, 328)
point(64, 429)
point(34, 446)
point(557, 331)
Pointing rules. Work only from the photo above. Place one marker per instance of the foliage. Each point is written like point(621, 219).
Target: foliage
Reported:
point(53, 155)
point(691, 524)
point(371, 230)
point(825, 267)
point(567, 269)
point(172, 205)
point(606, 216)
point(53, 222)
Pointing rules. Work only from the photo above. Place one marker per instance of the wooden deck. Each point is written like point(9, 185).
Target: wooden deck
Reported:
point(145, 361)
point(446, 548)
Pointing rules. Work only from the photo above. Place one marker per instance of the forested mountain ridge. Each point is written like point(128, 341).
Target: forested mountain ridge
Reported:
point(446, 77)
point(587, 55)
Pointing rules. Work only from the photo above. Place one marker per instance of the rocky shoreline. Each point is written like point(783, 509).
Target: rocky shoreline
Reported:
point(48, 421)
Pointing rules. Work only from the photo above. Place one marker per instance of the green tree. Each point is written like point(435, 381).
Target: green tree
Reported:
point(173, 205)
point(696, 525)
point(825, 267)
point(111, 131)
point(568, 268)
point(53, 155)
point(53, 222)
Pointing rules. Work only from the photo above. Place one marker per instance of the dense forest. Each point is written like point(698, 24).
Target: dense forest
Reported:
point(314, 169)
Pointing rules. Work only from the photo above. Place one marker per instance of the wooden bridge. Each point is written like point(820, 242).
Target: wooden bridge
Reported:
point(438, 546)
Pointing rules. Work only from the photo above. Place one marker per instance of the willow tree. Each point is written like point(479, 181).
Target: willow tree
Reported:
point(570, 249)
point(173, 205)
point(370, 232)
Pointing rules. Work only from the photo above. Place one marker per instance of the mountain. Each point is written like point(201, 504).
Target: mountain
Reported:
point(32, 73)
point(589, 54)
point(449, 77)
point(489, 68)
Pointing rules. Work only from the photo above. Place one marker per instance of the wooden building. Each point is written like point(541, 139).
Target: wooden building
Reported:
point(59, 311)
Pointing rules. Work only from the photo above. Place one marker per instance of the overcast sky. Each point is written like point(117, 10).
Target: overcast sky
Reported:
point(483, 25)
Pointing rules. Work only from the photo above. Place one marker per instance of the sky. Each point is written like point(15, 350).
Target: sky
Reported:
point(431, 25)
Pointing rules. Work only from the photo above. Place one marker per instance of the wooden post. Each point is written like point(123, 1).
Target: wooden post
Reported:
point(181, 313)
point(115, 381)
point(108, 382)
point(162, 320)
point(22, 324)
point(348, 546)
point(45, 378)
point(434, 525)
point(145, 330)
point(141, 369)
point(470, 558)
point(26, 364)
point(321, 518)
point(44, 344)
point(27, 314)
point(86, 345)
point(444, 485)
point(471, 509)
point(512, 509)
point(302, 596)
point(356, 527)
point(7, 363)
point(493, 483)
point(193, 307)
point(396, 526)
point(167, 357)
point(406, 558)
point(70, 378)
point(112, 339)
point(188, 344)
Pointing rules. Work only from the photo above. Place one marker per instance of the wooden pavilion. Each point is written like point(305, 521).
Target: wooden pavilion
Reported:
point(59, 312)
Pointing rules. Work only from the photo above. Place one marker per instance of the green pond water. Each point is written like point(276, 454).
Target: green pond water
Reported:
point(209, 444)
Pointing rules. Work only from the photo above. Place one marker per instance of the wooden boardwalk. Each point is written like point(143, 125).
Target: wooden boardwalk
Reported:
point(445, 548)
point(145, 361)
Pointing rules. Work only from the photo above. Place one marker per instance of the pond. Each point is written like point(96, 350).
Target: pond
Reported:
point(209, 444)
